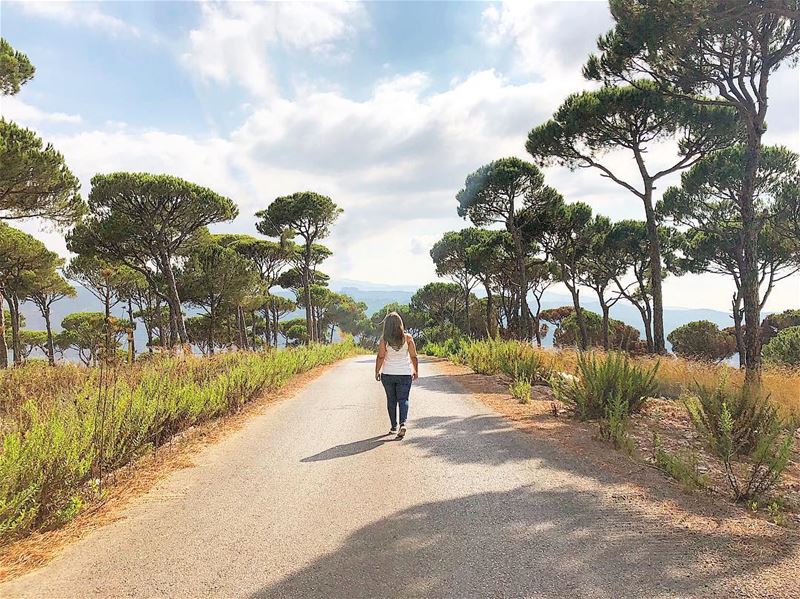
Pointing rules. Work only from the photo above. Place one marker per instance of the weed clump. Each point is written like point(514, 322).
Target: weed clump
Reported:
point(742, 429)
point(521, 389)
point(606, 385)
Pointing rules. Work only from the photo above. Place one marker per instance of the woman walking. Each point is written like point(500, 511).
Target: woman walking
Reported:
point(396, 366)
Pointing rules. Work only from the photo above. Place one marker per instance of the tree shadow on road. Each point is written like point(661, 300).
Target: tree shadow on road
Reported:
point(488, 439)
point(348, 449)
point(526, 542)
point(443, 383)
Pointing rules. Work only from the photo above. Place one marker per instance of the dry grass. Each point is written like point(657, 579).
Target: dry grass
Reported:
point(675, 375)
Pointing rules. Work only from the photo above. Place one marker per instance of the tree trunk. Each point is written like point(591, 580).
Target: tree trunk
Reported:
point(131, 338)
point(240, 328)
point(606, 344)
point(267, 328)
point(736, 309)
point(537, 325)
point(158, 316)
point(576, 303)
point(108, 334)
point(212, 313)
point(466, 311)
point(519, 249)
point(148, 329)
point(3, 343)
point(491, 322)
point(253, 331)
point(654, 246)
point(13, 308)
point(648, 333)
point(51, 350)
point(307, 293)
point(750, 282)
point(173, 326)
point(175, 302)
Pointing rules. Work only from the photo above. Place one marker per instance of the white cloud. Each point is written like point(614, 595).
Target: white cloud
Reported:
point(233, 42)
point(401, 137)
point(548, 38)
point(16, 110)
point(80, 13)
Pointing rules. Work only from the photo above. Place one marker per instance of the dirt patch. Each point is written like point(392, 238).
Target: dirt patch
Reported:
point(135, 479)
point(748, 536)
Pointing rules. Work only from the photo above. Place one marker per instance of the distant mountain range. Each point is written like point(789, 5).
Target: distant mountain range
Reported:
point(377, 295)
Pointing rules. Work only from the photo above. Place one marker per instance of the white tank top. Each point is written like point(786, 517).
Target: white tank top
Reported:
point(397, 361)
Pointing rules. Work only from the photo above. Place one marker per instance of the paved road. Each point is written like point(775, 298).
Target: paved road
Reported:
point(312, 499)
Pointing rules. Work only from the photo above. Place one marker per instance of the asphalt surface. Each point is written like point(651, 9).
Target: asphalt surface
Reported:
point(313, 499)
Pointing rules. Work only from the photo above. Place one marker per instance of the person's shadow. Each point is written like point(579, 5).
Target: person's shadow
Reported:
point(347, 449)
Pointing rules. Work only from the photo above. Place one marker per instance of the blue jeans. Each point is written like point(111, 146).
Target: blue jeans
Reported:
point(397, 387)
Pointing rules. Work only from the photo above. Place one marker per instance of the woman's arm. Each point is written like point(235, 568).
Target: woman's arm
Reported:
point(379, 359)
point(412, 353)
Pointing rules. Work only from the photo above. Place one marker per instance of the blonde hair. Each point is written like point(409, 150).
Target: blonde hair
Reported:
point(394, 333)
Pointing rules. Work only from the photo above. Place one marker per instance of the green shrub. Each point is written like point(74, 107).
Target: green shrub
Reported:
point(512, 358)
point(620, 335)
point(606, 385)
point(749, 414)
point(784, 348)
point(450, 348)
point(702, 340)
point(614, 423)
point(521, 389)
point(744, 431)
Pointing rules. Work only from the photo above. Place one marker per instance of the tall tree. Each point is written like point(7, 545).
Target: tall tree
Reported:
point(486, 255)
point(542, 277)
point(627, 244)
point(305, 214)
point(215, 275)
point(279, 307)
point(35, 181)
point(632, 118)
point(107, 281)
point(705, 207)
point(600, 266)
point(270, 258)
point(451, 256)
point(730, 49)
point(86, 333)
point(346, 314)
point(497, 193)
point(15, 69)
point(49, 289)
point(145, 221)
point(31, 340)
point(438, 300)
point(23, 259)
point(567, 238)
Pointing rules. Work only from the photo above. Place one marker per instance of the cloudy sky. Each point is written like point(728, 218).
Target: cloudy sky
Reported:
point(384, 106)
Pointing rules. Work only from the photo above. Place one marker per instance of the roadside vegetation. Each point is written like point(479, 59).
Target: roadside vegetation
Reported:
point(62, 429)
point(721, 434)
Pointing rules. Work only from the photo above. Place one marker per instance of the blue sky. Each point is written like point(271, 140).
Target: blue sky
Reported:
point(384, 106)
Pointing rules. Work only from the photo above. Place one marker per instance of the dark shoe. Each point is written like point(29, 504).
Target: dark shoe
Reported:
point(393, 430)
point(402, 432)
